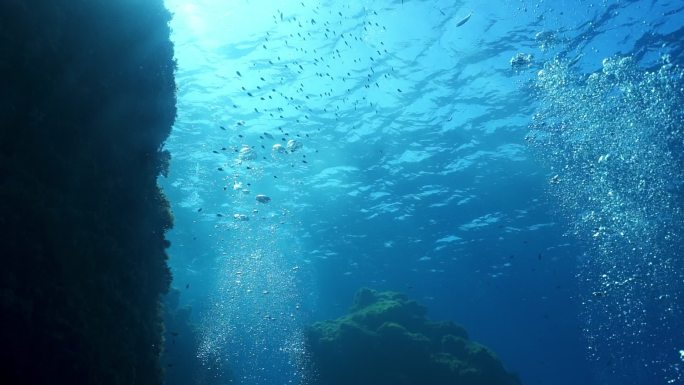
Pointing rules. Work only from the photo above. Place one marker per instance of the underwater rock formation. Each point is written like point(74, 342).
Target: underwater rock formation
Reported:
point(87, 99)
point(387, 340)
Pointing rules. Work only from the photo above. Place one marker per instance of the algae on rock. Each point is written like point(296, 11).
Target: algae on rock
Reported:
point(386, 339)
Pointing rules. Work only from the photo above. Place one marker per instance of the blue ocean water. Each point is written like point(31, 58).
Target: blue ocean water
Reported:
point(515, 166)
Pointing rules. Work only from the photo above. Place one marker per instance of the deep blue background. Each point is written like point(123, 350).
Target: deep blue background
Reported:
point(435, 149)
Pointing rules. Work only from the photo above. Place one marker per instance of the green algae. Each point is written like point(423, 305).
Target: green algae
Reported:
point(387, 339)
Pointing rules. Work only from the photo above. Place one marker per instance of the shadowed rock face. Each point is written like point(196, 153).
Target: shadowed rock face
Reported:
point(87, 99)
point(386, 339)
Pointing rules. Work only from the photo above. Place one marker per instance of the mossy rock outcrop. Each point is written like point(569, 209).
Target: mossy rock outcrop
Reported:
point(387, 339)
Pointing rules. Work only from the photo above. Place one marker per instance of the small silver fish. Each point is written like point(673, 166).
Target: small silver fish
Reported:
point(464, 20)
point(261, 198)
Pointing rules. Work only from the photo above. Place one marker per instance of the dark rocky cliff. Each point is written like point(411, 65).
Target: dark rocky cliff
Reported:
point(87, 97)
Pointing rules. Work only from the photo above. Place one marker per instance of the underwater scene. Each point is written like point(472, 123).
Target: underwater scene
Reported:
point(426, 192)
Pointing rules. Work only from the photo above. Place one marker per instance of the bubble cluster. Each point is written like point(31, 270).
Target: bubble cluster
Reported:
point(613, 140)
point(254, 325)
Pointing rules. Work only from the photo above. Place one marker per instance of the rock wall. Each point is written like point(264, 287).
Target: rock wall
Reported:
point(87, 98)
